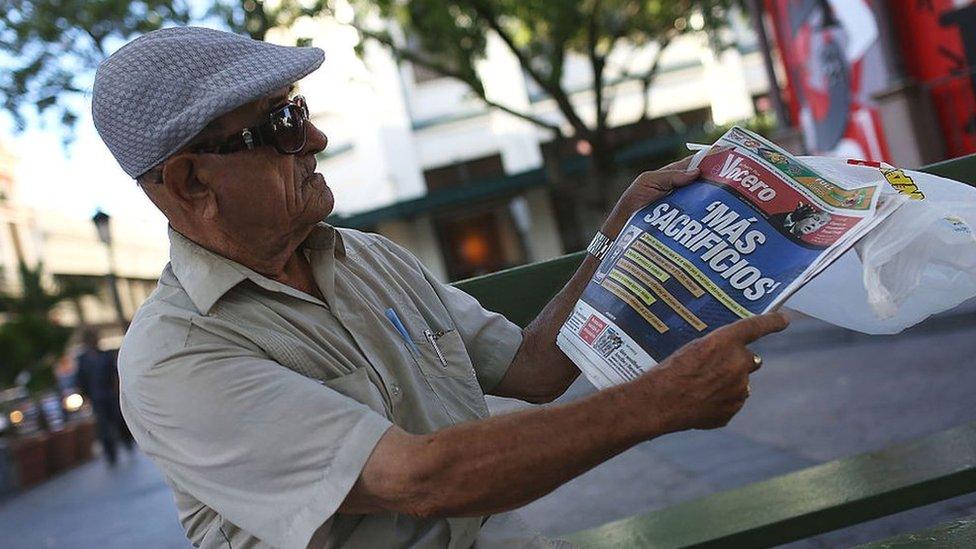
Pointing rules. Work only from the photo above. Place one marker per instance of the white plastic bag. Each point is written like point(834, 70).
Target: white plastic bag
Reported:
point(918, 262)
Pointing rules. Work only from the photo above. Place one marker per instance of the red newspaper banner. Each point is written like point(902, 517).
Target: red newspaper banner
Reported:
point(785, 207)
point(593, 327)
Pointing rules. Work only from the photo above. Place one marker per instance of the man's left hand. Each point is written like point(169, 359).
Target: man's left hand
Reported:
point(648, 187)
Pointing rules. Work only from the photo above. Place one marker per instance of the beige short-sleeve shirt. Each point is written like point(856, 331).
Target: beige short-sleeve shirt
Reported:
point(261, 404)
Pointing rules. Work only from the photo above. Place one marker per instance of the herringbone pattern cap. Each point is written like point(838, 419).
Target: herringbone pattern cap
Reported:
point(157, 92)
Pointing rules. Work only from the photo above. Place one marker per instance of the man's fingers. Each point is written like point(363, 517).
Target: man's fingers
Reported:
point(667, 179)
point(750, 329)
point(679, 165)
point(681, 179)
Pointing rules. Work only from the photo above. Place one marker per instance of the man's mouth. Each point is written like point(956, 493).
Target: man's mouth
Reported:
point(309, 172)
point(311, 178)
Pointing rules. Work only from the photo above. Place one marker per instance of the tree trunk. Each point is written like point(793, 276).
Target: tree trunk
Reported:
point(601, 172)
point(564, 194)
point(606, 181)
point(582, 202)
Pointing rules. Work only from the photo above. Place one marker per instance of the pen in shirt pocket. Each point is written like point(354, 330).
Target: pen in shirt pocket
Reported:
point(432, 338)
point(395, 320)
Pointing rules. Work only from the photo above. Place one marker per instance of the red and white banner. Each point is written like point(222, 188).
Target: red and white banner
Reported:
point(937, 41)
point(834, 65)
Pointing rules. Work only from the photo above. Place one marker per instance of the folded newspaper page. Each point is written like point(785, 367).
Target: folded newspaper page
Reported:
point(752, 230)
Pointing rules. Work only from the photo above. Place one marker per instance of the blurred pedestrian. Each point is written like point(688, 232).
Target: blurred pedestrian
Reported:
point(66, 373)
point(98, 381)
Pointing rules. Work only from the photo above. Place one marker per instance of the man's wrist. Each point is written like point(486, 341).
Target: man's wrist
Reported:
point(600, 245)
point(614, 224)
point(647, 401)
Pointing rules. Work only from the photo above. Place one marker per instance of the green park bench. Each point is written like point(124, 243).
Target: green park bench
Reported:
point(790, 507)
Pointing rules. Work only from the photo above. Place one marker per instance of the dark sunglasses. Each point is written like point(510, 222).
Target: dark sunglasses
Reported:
point(285, 129)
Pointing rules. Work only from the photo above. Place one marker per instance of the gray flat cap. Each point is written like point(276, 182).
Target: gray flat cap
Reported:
point(157, 92)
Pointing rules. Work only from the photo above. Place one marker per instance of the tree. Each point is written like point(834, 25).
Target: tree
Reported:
point(30, 341)
point(542, 35)
point(50, 48)
point(255, 17)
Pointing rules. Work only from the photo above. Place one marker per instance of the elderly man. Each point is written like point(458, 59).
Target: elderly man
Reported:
point(301, 385)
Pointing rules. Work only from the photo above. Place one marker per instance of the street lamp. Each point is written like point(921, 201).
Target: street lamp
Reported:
point(101, 221)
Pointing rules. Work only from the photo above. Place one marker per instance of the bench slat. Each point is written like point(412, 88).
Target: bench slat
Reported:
point(811, 501)
point(520, 293)
point(961, 169)
point(948, 535)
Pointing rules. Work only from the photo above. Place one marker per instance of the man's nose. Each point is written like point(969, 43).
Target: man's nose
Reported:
point(316, 141)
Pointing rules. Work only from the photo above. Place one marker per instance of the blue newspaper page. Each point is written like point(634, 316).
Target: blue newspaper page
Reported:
point(731, 245)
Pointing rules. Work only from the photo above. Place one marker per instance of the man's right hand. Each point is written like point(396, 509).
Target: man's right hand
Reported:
point(706, 382)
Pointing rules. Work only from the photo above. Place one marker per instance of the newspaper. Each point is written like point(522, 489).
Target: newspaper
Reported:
point(754, 228)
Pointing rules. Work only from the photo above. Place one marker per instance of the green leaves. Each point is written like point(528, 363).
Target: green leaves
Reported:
point(29, 338)
point(450, 37)
point(50, 48)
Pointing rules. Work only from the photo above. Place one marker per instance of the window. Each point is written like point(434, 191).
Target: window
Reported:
point(463, 172)
point(479, 242)
point(480, 238)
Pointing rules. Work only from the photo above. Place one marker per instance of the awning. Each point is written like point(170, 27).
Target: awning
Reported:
point(483, 190)
point(480, 190)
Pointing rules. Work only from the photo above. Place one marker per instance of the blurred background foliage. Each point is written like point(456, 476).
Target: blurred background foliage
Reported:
point(30, 339)
point(53, 46)
point(50, 49)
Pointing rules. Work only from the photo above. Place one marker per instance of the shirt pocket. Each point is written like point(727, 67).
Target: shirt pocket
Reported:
point(442, 354)
point(358, 387)
point(445, 364)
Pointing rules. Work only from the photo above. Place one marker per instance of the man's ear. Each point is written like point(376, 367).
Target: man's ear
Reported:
point(193, 194)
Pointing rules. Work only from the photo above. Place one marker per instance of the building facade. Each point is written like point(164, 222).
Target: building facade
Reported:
point(415, 157)
point(69, 250)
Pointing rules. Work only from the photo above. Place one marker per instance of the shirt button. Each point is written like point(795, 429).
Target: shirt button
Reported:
point(396, 392)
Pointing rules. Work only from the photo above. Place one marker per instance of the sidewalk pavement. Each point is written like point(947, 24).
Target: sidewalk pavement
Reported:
point(94, 506)
point(823, 394)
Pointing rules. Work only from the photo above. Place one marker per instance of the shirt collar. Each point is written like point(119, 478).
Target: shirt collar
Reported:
point(325, 237)
point(206, 276)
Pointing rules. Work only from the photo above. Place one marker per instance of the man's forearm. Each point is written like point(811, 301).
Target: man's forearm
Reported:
point(503, 462)
point(540, 371)
point(499, 463)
